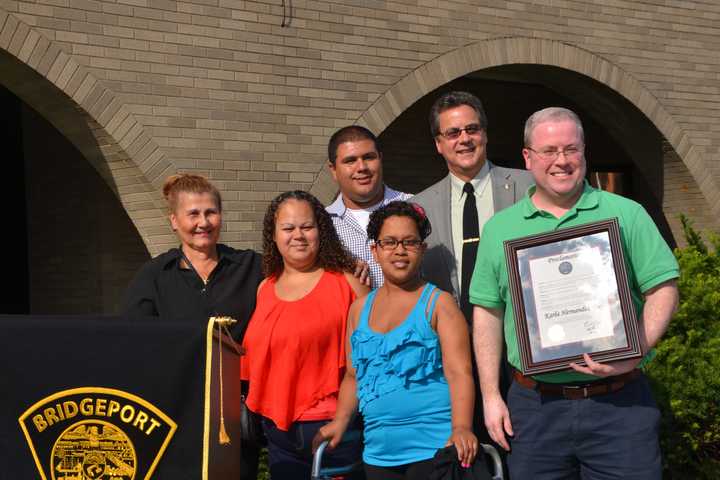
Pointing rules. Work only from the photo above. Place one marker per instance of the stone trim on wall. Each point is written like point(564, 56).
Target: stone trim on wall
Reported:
point(523, 50)
point(95, 121)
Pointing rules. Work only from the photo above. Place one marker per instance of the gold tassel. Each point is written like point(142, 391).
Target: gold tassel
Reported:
point(224, 438)
point(222, 323)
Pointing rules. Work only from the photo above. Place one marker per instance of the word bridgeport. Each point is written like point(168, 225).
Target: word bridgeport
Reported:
point(95, 407)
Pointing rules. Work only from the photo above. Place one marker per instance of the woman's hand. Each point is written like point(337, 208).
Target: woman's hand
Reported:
point(332, 431)
point(466, 444)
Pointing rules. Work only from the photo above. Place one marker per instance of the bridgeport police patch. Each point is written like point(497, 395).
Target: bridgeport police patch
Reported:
point(96, 433)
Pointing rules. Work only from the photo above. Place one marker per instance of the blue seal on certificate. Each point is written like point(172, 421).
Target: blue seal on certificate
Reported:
point(565, 267)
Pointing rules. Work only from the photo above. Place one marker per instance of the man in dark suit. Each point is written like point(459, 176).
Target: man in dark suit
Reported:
point(459, 125)
point(459, 205)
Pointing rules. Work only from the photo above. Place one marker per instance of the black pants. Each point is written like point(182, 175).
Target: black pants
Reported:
point(249, 459)
point(412, 471)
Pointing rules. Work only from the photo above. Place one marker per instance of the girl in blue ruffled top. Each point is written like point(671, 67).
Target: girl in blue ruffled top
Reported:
point(409, 352)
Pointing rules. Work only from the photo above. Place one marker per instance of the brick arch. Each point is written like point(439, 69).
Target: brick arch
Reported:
point(522, 50)
point(92, 118)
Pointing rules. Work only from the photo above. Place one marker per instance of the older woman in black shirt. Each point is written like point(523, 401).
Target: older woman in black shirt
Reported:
point(201, 278)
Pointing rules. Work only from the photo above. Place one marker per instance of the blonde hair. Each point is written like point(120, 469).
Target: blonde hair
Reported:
point(188, 183)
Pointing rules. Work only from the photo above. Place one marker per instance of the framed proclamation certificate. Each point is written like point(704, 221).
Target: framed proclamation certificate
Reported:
point(570, 296)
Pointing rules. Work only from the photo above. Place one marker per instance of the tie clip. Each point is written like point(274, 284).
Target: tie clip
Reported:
point(471, 240)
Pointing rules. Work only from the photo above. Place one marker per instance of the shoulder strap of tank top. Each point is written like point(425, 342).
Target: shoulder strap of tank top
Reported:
point(430, 305)
point(365, 313)
point(425, 294)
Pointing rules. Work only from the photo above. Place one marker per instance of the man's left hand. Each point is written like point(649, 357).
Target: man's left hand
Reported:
point(362, 272)
point(605, 369)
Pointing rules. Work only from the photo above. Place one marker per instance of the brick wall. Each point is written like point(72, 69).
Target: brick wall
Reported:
point(223, 88)
point(682, 196)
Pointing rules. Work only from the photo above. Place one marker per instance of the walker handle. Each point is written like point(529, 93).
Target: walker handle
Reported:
point(317, 459)
point(490, 450)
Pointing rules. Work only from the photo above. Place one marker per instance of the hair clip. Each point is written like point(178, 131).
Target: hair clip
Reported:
point(420, 210)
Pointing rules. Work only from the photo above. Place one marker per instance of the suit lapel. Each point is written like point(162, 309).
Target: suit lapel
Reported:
point(503, 188)
point(445, 231)
point(445, 226)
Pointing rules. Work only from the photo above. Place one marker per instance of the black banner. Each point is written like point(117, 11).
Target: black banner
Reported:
point(106, 398)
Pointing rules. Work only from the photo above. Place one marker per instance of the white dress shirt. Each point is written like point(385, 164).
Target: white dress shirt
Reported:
point(485, 209)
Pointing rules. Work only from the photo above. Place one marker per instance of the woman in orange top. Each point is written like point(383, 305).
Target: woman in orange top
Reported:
point(295, 343)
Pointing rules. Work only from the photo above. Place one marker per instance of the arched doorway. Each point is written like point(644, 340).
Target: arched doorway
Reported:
point(73, 249)
point(671, 170)
point(86, 176)
point(93, 119)
point(624, 150)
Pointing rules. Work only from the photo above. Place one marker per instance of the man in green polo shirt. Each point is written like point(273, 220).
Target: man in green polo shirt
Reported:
point(550, 431)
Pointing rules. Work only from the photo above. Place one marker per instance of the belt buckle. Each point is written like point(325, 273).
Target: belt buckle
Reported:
point(575, 388)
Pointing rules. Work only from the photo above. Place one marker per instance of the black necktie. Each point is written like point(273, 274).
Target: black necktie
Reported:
point(471, 234)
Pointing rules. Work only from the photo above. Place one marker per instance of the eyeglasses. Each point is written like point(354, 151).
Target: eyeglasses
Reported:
point(412, 244)
point(453, 133)
point(552, 154)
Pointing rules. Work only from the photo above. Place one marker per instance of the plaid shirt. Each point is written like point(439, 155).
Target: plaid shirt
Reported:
point(354, 237)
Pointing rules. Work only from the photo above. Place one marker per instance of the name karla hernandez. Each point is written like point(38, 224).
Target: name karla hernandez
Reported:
point(566, 311)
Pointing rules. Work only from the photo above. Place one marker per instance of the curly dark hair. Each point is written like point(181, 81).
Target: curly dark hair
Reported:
point(332, 255)
point(398, 209)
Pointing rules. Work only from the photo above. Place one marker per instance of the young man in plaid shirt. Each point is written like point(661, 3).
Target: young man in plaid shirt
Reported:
point(355, 163)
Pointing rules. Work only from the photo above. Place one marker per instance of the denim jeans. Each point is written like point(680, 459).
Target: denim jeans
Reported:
point(290, 453)
point(612, 436)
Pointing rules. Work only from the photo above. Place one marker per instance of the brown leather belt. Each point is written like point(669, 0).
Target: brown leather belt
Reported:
point(575, 392)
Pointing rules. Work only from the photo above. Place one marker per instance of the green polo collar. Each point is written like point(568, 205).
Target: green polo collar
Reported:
point(587, 201)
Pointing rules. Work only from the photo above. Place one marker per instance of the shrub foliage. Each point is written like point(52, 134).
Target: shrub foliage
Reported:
point(686, 372)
